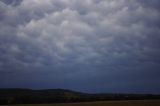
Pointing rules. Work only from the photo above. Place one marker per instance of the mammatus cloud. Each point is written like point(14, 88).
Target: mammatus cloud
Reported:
point(62, 40)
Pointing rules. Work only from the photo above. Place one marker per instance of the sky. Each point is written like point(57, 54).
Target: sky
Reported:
point(83, 45)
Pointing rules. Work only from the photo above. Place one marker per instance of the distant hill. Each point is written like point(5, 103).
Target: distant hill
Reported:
point(25, 96)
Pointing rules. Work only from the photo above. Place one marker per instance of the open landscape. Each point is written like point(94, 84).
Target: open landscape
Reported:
point(64, 97)
point(104, 103)
point(80, 52)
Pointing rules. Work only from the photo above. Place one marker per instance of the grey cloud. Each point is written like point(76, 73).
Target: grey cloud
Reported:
point(96, 38)
point(154, 4)
point(12, 2)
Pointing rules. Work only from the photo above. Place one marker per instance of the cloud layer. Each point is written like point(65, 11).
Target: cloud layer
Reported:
point(96, 45)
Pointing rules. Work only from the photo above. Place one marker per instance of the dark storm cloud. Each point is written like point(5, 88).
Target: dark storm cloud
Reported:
point(12, 2)
point(94, 45)
point(154, 4)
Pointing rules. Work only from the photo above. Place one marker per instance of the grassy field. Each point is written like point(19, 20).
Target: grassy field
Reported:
point(105, 103)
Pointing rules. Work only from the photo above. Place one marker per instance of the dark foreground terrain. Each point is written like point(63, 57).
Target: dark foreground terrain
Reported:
point(104, 103)
point(52, 96)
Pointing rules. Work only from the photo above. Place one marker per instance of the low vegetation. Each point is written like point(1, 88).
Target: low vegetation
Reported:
point(28, 96)
point(105, 103)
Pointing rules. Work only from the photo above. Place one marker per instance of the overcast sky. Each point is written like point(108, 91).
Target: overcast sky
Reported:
point(84, 45)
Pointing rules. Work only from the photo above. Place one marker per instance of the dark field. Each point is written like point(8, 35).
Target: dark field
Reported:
point(105, 103)
point(61, 97)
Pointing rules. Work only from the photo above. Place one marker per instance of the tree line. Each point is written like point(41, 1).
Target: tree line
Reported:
point(28, 96)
